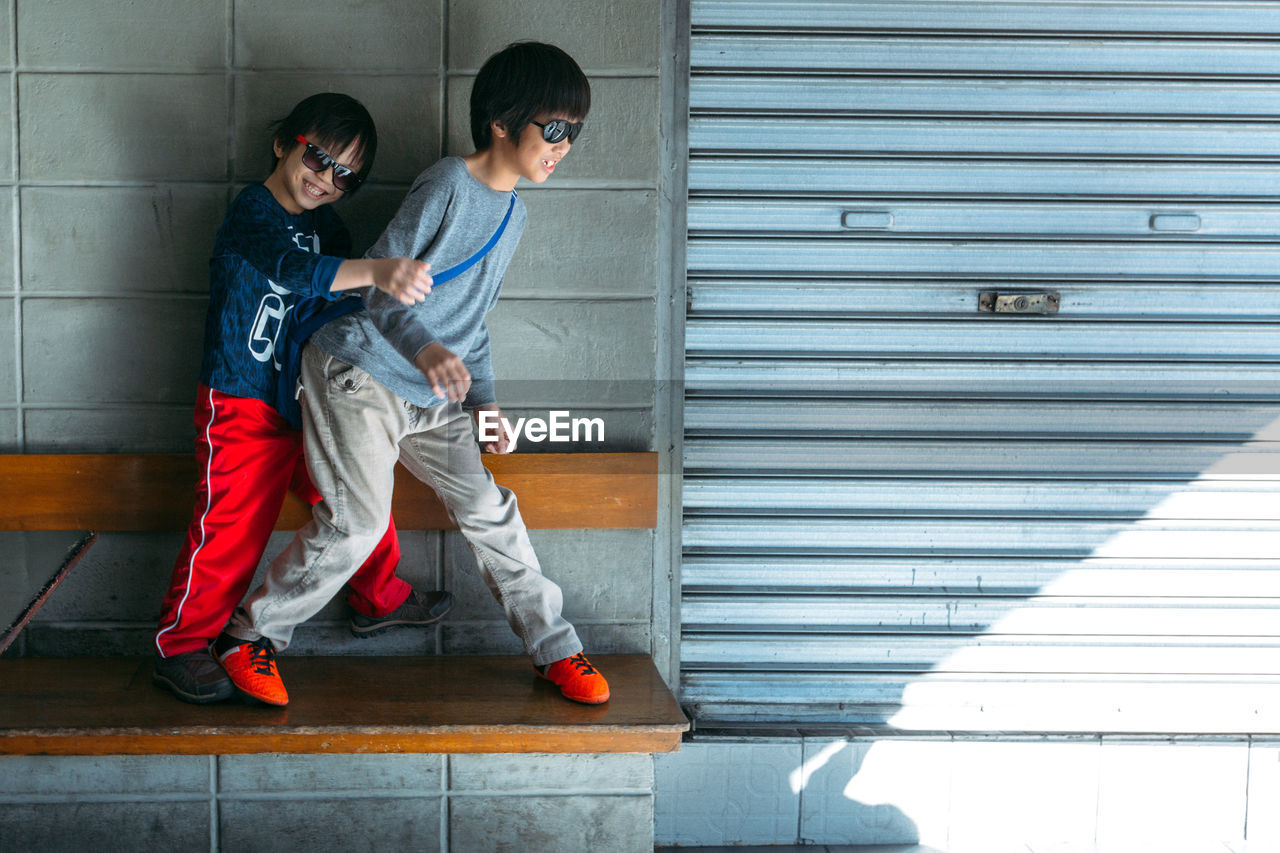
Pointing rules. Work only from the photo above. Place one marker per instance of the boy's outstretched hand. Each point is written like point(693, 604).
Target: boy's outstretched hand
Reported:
point(506, 442)
point(447, 374)
point(404, 278)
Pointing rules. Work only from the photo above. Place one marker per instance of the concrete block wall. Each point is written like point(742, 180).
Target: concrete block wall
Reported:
point(460, 804)
point(126, 130)
point(972, 795)
point(129, 130)
point(107, 605)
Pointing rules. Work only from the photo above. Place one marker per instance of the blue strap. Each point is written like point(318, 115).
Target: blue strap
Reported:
point(454, 271)
point(310, 314)
point(305, 323)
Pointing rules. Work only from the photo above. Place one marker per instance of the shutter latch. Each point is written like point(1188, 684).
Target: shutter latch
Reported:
point(1043, 302)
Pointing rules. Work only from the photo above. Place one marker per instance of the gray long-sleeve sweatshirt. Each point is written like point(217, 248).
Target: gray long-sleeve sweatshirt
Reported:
point(446, 218)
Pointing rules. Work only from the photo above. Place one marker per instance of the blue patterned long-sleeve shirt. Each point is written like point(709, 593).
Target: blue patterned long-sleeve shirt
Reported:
point(265, 260)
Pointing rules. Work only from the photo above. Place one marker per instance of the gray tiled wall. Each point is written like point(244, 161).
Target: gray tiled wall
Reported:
point(975, 795)
point(133, 126)
point(129, 128)
point(458, 803)
point(125, 129)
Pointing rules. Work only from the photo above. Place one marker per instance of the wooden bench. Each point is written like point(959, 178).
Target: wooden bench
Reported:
point(108, 706)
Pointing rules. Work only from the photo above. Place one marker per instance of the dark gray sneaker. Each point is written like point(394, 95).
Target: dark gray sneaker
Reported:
point(420, 608)
point(193, 677)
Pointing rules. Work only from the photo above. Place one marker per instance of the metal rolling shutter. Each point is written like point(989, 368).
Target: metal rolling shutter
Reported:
point(901, 510)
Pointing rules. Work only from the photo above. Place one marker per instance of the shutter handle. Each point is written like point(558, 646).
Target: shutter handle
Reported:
point(1042, 302)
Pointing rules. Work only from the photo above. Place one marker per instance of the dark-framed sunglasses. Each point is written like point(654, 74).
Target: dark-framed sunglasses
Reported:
point(318, 160)
point(557, 129)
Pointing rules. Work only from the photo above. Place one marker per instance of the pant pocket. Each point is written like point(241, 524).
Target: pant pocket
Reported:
point(345, 378)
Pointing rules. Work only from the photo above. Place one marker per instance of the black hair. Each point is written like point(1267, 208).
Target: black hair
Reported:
point(333, 121)
point(521, 81)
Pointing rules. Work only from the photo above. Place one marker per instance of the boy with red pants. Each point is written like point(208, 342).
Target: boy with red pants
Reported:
point(268, 255)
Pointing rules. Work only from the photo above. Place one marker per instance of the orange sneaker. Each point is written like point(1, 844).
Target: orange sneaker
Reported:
point(577, 679)
point(252, 668)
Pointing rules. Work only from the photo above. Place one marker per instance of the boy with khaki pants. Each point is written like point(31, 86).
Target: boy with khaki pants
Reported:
point(390, 383)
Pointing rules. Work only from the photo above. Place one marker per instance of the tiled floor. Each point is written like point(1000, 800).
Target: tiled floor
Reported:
point(1074, 795)
point(919, 848)
point(821, 848)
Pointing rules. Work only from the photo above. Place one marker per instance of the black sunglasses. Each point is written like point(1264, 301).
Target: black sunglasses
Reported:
point(557, 129)
point(318, 160)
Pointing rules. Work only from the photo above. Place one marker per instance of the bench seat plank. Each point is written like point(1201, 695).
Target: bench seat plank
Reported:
point(108, 706)
point(155, 491)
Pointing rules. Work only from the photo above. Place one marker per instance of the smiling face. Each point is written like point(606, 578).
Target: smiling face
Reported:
point(298, 188)
point(535, 159)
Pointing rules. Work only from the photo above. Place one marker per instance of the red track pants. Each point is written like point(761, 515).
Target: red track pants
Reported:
point(248, 456)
